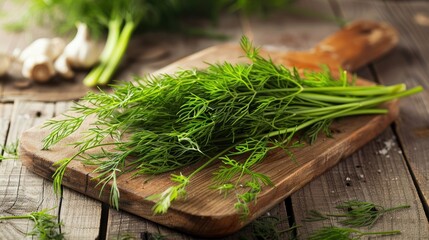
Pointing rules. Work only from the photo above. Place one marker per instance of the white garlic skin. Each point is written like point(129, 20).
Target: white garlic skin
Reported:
point(62, 67)
point(51, 48)
point(4, 64)
point(82, 51)
point(39, 68)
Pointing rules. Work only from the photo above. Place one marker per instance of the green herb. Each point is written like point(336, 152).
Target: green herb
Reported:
point(160, 124)
point(45, 227)
point(9, 152)
point(357, 213)
point(315, 216)
point(336, 233)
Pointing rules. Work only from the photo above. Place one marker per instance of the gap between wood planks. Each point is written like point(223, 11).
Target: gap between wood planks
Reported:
point(413, 176)
point(104, 220)
point(409, 58)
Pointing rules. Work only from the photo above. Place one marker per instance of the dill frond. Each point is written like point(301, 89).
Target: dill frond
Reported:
point(9, 151)
point(337, 233)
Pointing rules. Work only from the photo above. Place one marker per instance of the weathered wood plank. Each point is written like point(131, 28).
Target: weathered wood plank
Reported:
point(122, 224)
point(24, 192)
point(382, 179)
point(302, 27)
point(5, 114)
point(367, 176)
point(409, 64)
point(21, 191)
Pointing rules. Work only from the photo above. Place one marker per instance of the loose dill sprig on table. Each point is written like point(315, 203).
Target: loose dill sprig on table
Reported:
point(46, 226)
point(356, 213)
point(162, 123)
point(337, 233)
point(9, 151)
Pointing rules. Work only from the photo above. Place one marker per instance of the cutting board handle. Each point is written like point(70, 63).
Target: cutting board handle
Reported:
point(350, 48)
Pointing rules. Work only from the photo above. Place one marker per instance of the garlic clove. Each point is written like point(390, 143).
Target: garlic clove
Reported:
point(82, 51)
point(51, 48)
point(62, 67)
point(4, 64)
point(38, 47)
point(39, 68)
point(57, 48)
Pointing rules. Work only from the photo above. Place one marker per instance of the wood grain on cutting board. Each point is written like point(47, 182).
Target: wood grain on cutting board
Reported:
point(206, 212)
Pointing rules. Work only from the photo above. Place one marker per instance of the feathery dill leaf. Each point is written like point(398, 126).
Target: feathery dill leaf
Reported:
point(356, 213)
point(46, 226)
point(359, 213)
point(337, 233)
point(220, 114)
point(9, 151)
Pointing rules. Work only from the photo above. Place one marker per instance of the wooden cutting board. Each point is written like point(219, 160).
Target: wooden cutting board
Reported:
point(206, 212)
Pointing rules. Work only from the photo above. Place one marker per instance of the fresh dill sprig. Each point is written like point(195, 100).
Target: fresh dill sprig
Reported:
point(360, 213)
point(9, 151)
point(356, 213)
point(46, 226)
point(220, 114)
point(337, 233)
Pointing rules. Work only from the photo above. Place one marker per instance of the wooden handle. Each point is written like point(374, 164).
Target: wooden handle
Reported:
point(350, 48)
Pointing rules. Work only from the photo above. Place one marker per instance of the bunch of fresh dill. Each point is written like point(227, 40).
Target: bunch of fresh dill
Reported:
point(355, 213)
point(210, 115)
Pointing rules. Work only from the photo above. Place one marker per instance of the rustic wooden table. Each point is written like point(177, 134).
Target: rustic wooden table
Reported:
point(390, 170)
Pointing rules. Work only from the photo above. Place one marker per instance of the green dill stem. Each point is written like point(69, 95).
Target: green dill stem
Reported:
point(327, 98)
point(308, 123)
point(59, 172)
point(344, 113)
point(348, 107)
point(369, 102)
point(16, 217)
point(365, 111)
point(396, 208)
point(118, 53)
point(380, 233)
point(112, 39)
point(211, 160)
point(350, 90)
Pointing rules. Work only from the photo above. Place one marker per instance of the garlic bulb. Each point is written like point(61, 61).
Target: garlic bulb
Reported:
point(82, 51)
point(39, 68)
point(4, 64)
point(62, 67)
